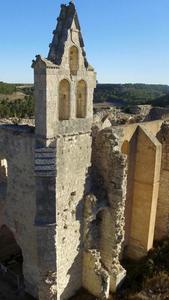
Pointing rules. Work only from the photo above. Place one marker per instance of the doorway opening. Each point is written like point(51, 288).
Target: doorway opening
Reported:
point(11, 261)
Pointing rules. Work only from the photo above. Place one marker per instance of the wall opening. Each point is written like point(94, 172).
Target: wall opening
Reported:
point(81, 100)
point(64, 100)
point(101, 236)
point(74, 60)
point(3, 178)
point(11, 261)
point(95, 232)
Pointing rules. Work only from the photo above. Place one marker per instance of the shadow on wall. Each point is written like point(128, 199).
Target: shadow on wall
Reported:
point(79, 258)
point(11, 261)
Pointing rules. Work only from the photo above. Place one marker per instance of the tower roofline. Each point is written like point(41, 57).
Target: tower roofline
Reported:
point(60, 34)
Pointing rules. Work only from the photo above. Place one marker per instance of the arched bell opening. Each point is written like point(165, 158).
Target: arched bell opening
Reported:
point(81, 99)
point(64, 100)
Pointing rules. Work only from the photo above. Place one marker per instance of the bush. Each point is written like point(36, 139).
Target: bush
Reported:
point(148, 270)
point(130, 94)
point(18, 108)
point(7, 88)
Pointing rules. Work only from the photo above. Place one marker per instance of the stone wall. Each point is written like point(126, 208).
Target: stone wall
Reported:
point(156, 131)
point(112, 166)
point(162, 221)
point(73, 161)
point(104, 216)
point(17, 148)
point(144, 158)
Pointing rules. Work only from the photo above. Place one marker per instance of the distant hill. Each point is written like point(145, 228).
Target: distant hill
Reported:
point(130, 94)
point(16, 100)
point(162, 101)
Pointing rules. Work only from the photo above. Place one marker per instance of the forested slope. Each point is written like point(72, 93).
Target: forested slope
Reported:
point(16, 100)
point(131, 94)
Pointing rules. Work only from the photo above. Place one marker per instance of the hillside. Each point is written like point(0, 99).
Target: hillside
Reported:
point(16, 100)
point(131, 94)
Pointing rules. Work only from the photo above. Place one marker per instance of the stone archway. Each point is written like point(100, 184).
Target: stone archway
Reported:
point(11, 260)
point(9, 248)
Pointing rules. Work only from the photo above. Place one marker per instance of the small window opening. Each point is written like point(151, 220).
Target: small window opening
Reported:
point(74, 60)
point(64, 100)
point(81, 99)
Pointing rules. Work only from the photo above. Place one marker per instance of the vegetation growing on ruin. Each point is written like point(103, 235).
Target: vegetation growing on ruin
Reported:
point(146, 279)
point(151, 272)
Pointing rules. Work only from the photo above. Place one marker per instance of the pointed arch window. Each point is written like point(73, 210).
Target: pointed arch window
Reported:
point(81, 99)
point(74, 60)
point(64, 100)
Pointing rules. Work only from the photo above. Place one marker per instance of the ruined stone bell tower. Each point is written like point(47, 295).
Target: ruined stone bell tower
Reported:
point(64, 84)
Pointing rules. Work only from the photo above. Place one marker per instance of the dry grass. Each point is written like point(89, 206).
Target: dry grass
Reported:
point(13, 96)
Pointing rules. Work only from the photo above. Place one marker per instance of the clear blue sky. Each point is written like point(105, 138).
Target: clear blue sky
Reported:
point(126, 40)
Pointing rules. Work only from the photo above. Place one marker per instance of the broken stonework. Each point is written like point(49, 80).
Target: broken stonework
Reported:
point(162, 221)
point(75, 199)
point(106, 234)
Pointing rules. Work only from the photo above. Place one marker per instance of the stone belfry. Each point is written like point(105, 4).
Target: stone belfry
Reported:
point(64, 85)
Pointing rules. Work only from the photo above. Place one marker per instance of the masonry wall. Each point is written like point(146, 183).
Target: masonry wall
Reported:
point(73, 156)
point(159, 130)
point(17, 147)
point(104, 216)
point(128, 130)
point(112, 166)
point(145, 185)
point(162, 220)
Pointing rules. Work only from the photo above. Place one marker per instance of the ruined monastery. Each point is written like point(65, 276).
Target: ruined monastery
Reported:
point(76, 196)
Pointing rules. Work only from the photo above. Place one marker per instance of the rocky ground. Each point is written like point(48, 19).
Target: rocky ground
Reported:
point(129, 115)
point(30, 122)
